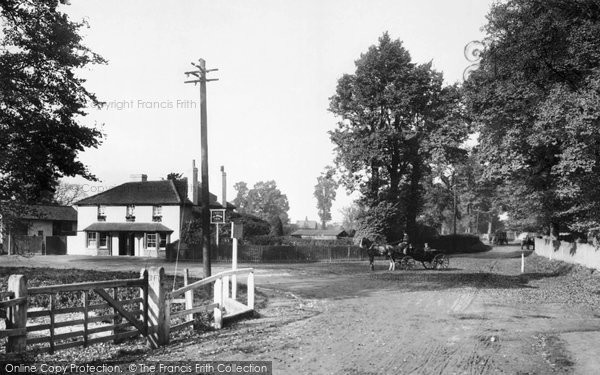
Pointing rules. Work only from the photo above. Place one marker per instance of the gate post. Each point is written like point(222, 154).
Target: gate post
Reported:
point(218, 299)
point(144, 303)
point(158, 316)
point(18, 318)
point(250, 290)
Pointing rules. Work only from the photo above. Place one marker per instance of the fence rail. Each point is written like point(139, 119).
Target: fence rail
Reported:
point(58, 327)
point(224, 304)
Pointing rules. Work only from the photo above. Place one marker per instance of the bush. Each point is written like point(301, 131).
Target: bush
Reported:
point(265, 240)
point(459, 243)
point(347, 241)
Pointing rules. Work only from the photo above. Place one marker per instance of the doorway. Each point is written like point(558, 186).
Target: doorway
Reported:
point(126, 244)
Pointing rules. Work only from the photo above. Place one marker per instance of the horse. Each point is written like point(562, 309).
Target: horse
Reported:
point(379, 249)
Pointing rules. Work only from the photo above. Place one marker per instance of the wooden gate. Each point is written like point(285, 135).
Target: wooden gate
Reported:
point(100, 315)
point(57, 327)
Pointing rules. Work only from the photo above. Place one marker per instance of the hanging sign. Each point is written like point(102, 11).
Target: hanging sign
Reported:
point(217, 216)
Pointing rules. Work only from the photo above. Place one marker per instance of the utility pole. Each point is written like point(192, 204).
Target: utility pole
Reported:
point(200, 77)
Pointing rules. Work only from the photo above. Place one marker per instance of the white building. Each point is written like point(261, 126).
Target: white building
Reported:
point(136, 218)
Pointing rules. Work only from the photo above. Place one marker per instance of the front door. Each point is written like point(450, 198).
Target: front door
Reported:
point(126, 241)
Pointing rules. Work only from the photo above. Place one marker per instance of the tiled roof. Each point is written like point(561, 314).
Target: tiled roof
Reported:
point(162, 192)
point(307, 224)
point(49, 212)
point(139, 192)
point(127, 227)
point(319, 232)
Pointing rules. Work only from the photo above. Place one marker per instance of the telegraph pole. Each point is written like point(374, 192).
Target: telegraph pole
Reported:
point(200, 77)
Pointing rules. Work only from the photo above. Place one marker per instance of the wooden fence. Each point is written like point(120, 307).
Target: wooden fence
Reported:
point(273, 253)
point(113, 319)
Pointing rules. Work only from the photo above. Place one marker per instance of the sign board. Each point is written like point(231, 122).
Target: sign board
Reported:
point(237, 230)
point(217, 216)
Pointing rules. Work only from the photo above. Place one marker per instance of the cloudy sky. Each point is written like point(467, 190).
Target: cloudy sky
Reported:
point(278, 61)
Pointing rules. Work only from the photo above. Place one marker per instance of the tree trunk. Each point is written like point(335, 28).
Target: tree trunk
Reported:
point(554, 230)
point(414, 198)
point(374, 180)
point(394, 172)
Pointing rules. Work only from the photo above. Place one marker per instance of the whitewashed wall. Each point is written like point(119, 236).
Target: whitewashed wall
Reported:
point(576, 253)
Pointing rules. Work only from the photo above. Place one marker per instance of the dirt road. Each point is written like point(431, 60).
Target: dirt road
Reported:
point(480, 317)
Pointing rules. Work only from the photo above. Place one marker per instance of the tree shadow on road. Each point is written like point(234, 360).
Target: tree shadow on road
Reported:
point(414, 281)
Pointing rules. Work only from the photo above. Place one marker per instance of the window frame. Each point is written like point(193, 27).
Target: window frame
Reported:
point(151, 238)
point(106, 237)
point(89, 240)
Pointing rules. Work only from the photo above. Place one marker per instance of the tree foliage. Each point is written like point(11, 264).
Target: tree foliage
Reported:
point(397, 118)
point(66, 194)
point(535, 98)
point(325, 191)
point(41, 99)
point(175, 176)
point(264, 200)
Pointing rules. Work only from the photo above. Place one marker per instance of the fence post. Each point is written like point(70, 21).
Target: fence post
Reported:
point(189, 295)
point(251, 290)
point(225, 287)
point(18, 319)
point(157, 309)
point(234, 286)
point(144, 303)
point(218, 298)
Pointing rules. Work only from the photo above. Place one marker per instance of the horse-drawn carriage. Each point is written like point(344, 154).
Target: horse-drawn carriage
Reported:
point(429, 258)
point(405, 256)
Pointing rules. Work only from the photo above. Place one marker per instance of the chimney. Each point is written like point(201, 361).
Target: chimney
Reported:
point(224, 187)
point(138, 177)
point(194, 183)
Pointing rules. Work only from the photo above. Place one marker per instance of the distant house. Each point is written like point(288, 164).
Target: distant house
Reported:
point(138, 218)
point(41, 229)
point(320, 234)
point(307, 224)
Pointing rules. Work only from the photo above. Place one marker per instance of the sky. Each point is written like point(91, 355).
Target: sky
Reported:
point(279, 62)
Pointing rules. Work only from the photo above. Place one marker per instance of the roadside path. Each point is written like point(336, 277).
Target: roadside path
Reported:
point(479, 317)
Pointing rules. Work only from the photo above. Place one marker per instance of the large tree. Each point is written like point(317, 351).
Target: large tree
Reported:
point(41, 99)
point(535, 99)
point(397, 118)
point(264, 200)
point(325, 191)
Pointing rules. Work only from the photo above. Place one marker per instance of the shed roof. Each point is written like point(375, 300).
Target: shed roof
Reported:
point(49, 212)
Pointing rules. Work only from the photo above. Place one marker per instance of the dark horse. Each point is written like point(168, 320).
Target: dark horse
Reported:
point(391, 252)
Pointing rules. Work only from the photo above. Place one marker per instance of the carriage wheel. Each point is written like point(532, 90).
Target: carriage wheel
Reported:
point(408, 263)
point(428, 265)
point(441, 261)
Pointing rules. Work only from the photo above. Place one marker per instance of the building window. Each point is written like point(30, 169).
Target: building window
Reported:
point(151, 240)
point(92, 239)
point(157, 213)
point(101, 213)
point(103, 240)
point(130, 213)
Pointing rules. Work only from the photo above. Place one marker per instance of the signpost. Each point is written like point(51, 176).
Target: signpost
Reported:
point(237, 231)
point(217, 217)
